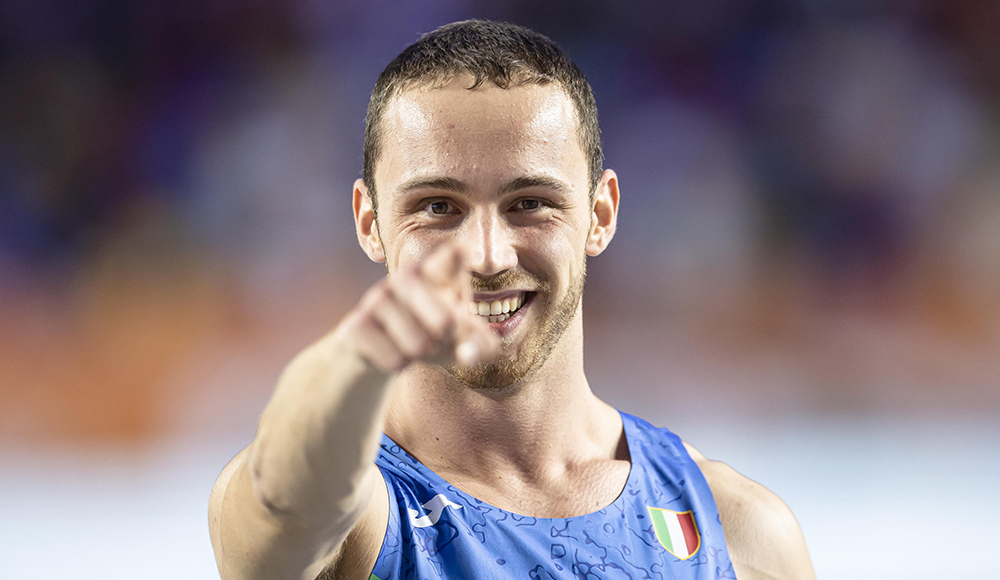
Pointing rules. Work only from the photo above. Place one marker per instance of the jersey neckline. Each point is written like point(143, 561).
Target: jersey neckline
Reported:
point(628, 429)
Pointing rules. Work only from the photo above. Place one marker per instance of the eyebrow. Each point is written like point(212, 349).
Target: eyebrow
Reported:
point(457, 186)
point(443, 183)
point(539, 181)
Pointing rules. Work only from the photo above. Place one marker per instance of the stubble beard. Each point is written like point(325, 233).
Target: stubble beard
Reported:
point(501, 373)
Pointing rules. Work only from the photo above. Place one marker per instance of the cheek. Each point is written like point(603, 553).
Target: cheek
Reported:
point(408, 251)
point(408, 244)
point(568, 232)
point(555, 249)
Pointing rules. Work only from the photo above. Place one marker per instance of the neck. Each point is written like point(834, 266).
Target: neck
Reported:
point(551, 416)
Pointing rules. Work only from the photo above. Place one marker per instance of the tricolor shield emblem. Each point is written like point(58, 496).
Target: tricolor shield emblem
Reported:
point(677, 531)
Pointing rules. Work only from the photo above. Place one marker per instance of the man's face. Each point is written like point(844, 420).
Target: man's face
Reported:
point(502, 172)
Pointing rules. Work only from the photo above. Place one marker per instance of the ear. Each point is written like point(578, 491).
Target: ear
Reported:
point(365, 224)
point(604, 216)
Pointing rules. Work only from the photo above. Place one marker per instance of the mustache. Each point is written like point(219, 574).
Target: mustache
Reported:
point(507, 279)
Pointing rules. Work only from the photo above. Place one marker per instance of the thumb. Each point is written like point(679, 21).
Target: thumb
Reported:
point(475, 342)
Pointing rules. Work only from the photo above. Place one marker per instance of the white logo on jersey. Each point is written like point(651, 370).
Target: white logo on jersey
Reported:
point(436, 507)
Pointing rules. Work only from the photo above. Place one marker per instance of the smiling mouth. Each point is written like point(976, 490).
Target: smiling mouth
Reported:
point(500, 309)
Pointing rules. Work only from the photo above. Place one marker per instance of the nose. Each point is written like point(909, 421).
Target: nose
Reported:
point(489, 241)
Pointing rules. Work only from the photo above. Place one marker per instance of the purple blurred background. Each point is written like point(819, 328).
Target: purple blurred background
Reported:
point(805, 280)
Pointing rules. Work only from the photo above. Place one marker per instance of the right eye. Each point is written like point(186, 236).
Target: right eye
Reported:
point(439, 207)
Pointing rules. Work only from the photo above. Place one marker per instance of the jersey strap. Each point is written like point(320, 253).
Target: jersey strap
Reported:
point(664, 524)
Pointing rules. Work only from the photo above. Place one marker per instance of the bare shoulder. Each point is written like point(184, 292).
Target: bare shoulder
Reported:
point(215, 500)
point(764, 539)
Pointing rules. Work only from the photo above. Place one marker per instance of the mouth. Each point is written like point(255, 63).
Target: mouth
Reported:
point(500, 308)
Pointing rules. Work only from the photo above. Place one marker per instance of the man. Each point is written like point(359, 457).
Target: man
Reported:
point(445, 428)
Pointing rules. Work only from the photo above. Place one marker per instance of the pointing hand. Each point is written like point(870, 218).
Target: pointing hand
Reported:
point(421, 314)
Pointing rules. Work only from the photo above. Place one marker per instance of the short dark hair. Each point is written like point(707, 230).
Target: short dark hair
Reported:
point(501, 53)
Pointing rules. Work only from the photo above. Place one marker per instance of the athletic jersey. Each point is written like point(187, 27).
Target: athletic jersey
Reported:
point(663, 525)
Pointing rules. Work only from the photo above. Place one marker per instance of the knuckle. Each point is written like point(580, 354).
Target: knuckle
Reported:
point(363, 321)
point(435, 324)
point(385, 291)
point(357, 325)
point(411, 273)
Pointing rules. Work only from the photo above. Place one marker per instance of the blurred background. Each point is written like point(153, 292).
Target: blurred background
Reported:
point(805, 282)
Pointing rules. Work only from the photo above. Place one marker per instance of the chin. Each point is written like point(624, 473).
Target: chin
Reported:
point(509, 369)
point(494, 376)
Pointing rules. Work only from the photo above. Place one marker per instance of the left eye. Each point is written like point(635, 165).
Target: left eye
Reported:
point(438, 207)
point(528, 204)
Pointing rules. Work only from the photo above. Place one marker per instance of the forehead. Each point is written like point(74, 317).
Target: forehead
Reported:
point(482, 134)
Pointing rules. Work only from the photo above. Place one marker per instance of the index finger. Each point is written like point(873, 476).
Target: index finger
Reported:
point(445, 266)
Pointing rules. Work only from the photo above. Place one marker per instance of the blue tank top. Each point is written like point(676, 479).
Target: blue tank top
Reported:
point(664, 525)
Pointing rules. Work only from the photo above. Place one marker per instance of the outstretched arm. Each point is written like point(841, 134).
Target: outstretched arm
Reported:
point(285, 505)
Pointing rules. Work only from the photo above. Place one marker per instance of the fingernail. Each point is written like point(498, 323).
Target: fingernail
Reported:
point(467, 353)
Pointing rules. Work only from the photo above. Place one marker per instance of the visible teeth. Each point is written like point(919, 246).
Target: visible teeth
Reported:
point(501, 309)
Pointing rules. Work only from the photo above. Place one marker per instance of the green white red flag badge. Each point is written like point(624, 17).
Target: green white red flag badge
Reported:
point(677, 531)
